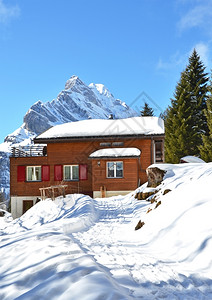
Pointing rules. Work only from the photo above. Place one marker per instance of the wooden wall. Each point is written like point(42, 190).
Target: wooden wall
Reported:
point(25, 188)
point(78, 153)
point(128, 182)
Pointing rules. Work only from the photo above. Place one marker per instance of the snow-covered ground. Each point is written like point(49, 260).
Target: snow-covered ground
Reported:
point(88, 249)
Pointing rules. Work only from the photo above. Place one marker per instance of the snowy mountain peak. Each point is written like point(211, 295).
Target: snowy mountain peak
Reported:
point(77, 101)
point(101, 88)
point(73, 81)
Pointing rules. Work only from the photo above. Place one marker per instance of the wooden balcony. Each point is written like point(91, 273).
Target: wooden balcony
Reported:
point(30, 150)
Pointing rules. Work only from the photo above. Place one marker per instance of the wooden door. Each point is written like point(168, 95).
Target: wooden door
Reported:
point(27, 204)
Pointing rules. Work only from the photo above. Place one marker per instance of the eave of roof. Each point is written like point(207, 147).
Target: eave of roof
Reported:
point(89, 138)
point(113, 157)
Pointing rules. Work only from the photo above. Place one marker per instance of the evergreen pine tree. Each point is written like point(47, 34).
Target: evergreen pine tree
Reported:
point(185, 121)
point(147, 110)
point(163, 114)
point(206, 147)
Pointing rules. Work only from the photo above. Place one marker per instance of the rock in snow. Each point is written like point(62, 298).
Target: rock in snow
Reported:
point(76, 102)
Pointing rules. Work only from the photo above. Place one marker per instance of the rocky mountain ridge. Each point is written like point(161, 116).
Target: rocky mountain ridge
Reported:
point(76, 102)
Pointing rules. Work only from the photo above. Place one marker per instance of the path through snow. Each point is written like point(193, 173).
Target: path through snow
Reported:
point(131, 265)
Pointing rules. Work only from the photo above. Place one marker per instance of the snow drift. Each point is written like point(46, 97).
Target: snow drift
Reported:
point(84, 248)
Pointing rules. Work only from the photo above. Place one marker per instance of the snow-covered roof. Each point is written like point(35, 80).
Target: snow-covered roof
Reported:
point(191, 159)
point(116, 152)
point(102, 127)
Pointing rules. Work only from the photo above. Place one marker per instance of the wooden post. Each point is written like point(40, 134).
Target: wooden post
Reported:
point(52, 193)
point(64, 195)
point(103, 191)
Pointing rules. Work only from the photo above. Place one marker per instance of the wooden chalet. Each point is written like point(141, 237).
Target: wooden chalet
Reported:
point(100, 158)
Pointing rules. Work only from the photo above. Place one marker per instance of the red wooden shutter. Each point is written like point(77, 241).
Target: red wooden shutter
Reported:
point(45, 173)
point(21, 173)
point(83, 172)
point(58, 173)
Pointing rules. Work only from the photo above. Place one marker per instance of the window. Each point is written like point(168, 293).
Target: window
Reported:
point(105, 144)
point(118, 144)
point(158, 151)
point(115, 169)
point(34, 173)
point(71, 172)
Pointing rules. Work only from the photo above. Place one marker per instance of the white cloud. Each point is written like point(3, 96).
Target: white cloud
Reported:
point(181, 60)
point(175, 60)
point(203, 51)
point(198, 16)
point(8, 12)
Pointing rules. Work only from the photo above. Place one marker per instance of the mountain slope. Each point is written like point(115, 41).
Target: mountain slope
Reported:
point(76, 102)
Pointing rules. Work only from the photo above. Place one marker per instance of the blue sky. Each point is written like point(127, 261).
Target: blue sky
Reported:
point(131, 46)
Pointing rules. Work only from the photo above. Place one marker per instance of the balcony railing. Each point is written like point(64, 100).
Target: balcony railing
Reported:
point(30, 150)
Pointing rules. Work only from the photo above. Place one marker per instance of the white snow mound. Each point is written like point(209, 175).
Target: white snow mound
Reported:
point(84, 248)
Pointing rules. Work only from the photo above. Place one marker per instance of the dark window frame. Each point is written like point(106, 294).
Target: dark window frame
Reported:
point(71, 172)
point(34, 173)
point(114, 169)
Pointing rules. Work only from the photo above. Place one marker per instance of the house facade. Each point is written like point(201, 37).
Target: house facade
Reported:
point(100, 158)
